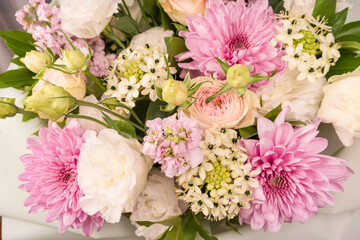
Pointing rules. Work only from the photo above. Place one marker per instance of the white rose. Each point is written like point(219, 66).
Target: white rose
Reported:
point(303, 97)
point(341, 106)
point(87, 20)
point(154, 36)
point(308, 5)
point(111, 173)
point(157, 202)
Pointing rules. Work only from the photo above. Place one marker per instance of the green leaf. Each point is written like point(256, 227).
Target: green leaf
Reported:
point(173, 221)
point(186, 104)
point(176, 233)
point(297, 123)
point(168, 108)
point(279, 7)
point(350, 45)
point(187, 80)
point(120, 127)
point(17, 61)
point(338, 21)
point(16, 78)
point(273, 3)
point(346, 63)
point(194, 88)
point(324, 8)
point(149, 6)
point(274, 113)
point(203, 233)
point(230, 225)
point(93, 88)
point(225, 88)
point(18, 42)
point(189, 226)
point(354, 38)
point(352, 28)
point(163, 235)
point(180, 28)
point(158, 92)
point(26, 118)
point(241, 91)
point(256, 78)
point(248, 132)
point(166, 22)
point(153, 111)
point(174, 46)
point(224, 66)
point(126, 24)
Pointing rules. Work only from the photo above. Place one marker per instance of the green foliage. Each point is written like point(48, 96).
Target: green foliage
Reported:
point(274, 113)
point(18, 42)
point(346, 63)
point(248, 132)
point(337, 21)
point(16, 78)
point(124, 129)
point(350, 29)
point(279, 6)
point(324, 8)
point(154, 110)
point(126, 24)
point(174, 46)
point(17, 61)
point(173, 221)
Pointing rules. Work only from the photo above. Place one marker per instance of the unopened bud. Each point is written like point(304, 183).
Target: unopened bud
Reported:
point(36, 61)
point(238, 76)
point(174, 92)
point(74, 59)
point(6, 109)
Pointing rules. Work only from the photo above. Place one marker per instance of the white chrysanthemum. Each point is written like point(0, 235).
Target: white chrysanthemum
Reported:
point(302, 96)
point(310, 48)
point(157, 202)
point(154, 36)
point(111, 173)
point(224, 182)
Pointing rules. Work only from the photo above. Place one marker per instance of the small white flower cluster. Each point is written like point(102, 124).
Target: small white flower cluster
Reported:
point(136, 71)
point(309, 45)
point(223, 183)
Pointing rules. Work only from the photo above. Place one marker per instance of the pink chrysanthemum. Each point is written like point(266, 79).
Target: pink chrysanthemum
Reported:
point(295, 179)
point(51, 177)
point(238, 33)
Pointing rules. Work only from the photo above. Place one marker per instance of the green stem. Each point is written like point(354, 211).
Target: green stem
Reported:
point(95, 79)
point(144, 15)
point(126, 107)
point(117, 40)
point(88, 104)
point(22, 111)
point(88, 118)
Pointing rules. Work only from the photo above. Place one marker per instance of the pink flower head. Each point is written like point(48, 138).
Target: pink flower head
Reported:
point(235, 32)
point(295, 179)
point(174, 142)
point(51, 177)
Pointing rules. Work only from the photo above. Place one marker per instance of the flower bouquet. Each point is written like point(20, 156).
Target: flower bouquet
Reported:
point(176, 113)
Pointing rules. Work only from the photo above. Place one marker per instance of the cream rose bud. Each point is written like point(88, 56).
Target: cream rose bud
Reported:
point(7, 110)
point(48, 102)
point(178, 10)
point(227, 109)
point(157, 202)
point(36, 61)
point(72, 83)
point(174, 92)
point(74, 59)
point(90, 19)
point(238, 76)
point(341, 105)
point(112, 172)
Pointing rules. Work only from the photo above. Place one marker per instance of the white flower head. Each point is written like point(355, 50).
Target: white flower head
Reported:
point(154, 36)
point(158, 201)
point(112, 172)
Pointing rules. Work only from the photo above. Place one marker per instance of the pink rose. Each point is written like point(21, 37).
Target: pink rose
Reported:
point(226, 109)
point(178, 10)
point(72, 83)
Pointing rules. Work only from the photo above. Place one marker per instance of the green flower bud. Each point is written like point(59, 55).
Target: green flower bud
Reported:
point(48, 102)
point(36, 61)
point(74, 59)
point(174, 92)
point(7, 110)
point(238, 76)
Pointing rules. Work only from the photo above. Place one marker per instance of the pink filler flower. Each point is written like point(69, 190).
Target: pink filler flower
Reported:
point(51, 177)
point(295, 179)
point(238, 33)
